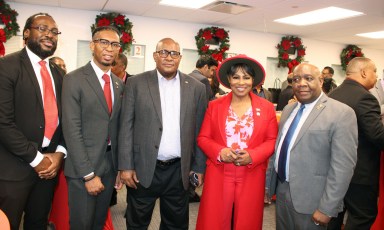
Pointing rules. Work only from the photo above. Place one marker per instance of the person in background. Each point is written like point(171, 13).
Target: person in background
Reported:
point(119, 67)
point(31, 142)
point(286, 94)
point(378, 92)
point(60, 63)
point(315, 155)
point(215, 87)
point(161, 115)
point(329, 83)
point(261, 92)
point(91, 110)
point(238, 137)
point(361, 198)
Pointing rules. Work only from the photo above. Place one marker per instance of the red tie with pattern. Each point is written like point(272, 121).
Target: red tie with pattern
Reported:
point(107, 92)
point(50, 106)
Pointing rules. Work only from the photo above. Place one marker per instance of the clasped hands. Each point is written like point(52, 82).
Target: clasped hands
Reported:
point(238, 157)
point(50, 165)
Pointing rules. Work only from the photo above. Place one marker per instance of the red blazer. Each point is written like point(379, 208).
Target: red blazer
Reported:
point(212, 139)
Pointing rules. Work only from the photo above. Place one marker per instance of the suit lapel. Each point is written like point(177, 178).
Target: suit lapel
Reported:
point(116, 85)
point(95, 85)
point(185, 97)
point(154, 91)
point(26, 62)
point(284, 117)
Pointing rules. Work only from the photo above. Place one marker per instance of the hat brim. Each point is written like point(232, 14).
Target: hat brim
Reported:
point(223, 68)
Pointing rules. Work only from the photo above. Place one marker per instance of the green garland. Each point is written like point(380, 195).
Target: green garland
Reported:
point(348, 53)
point(123, 25)
point(9, 22)
point(208, 34)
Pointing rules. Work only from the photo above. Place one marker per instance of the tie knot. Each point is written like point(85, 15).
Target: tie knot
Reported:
point(42, 63)
point(302, 106)
point(106, 78)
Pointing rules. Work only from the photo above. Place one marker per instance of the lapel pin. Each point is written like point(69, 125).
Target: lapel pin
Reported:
point(257, 114)
point(319, 106)
point(186, 82)
point(117, 84)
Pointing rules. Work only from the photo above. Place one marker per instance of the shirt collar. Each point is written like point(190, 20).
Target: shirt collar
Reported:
point(98, 71)
point(33, 57)
point(161, 77)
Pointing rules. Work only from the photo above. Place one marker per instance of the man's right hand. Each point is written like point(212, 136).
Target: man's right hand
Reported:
point(43, 165)
point(94, 186)
point(129, 178)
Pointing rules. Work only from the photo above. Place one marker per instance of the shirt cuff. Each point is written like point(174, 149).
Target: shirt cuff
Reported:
point(92, 173)
point(62, 150)
point(39, 157)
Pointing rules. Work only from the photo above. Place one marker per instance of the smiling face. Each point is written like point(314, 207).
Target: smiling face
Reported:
point(104, 56)
point(306, 83)
point(43, 44)
point(240, 83)
point(168, 65)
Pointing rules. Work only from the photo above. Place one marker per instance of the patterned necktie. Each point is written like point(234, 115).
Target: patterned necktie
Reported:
point(107, 92)
point(50, 106)
point(281, 171)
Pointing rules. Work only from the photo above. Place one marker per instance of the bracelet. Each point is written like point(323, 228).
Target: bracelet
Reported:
point(90, 178)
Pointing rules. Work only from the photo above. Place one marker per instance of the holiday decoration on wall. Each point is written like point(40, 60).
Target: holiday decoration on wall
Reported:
point(212, 36)
point(348, 53)
point(290, 45)
point(8, 25)
point(123, 25)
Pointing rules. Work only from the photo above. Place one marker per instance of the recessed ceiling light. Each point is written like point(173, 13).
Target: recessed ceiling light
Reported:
point(374, 35)
point(319, 16)
point(194, 4)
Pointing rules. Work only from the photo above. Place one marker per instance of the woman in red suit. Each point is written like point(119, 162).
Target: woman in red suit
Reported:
point(238, 136)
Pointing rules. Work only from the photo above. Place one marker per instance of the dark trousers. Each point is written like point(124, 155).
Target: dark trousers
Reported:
point(174, 208)
point(32, 196)
point(361, 204)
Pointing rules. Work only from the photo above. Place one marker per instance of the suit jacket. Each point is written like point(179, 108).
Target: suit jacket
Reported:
point(323, 157)
point(212, 139)
point(267, 93)
point(22, 115)
point(371, 130)
point(87, 126)
point(378, 92)
point(141, 126)
point(196, 74)
point(285, 96)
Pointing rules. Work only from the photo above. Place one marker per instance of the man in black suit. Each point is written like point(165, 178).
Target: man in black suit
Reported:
point(361, 198)
point(31, 142)
point(286, 94)
point(119, 66)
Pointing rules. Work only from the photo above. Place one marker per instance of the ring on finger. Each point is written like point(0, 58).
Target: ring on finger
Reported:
point(316, 223)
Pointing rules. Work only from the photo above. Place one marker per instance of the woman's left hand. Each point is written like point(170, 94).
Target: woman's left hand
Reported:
point(243, 158)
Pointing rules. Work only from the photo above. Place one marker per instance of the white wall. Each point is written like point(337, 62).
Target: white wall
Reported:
point(75, 25)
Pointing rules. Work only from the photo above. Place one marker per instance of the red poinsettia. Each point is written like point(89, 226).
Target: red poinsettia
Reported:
point(220, 33)
point(300, 53)
point(297, 42)
point(3, 37)
point(207, 35)
point(2, 49)
point(119, 20)
point(285, 56)
point(218, 56)
point(103, 22)
point(5, 18)
point(205, 48)
point(126, 37)
point(286, 44)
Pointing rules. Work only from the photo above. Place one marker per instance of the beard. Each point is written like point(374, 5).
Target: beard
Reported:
point(36, 48)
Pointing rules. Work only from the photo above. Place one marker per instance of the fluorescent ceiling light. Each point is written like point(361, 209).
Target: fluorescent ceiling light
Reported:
point(194, 4)
point(319, 16)
point(374, 35)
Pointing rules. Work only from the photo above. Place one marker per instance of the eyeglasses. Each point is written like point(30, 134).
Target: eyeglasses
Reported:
point(165, 53)
point(44, 29)
point(104, 43)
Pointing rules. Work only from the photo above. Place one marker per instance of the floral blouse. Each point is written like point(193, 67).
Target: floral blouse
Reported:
point(239, 129)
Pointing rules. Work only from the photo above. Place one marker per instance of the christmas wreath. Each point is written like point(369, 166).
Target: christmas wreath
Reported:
point(348, 53)
point(123, 25)
point(212, 35)
point(8, 23)
point(287, 43)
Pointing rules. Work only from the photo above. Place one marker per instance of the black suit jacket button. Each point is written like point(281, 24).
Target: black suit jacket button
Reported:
point(161, 129)
point(156, 146)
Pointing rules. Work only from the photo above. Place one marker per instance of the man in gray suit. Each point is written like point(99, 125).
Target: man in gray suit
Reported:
point(314, 161)
point(161, 115)
point(205, 68)
point(91, 108)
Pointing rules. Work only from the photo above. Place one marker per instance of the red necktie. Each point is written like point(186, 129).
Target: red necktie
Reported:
point(50, 105)
point(107, 92)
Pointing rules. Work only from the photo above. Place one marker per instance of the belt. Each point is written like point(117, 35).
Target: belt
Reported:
point(167, 162)
point(109, 148)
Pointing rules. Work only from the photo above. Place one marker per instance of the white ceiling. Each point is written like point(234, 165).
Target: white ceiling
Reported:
point(259, 18)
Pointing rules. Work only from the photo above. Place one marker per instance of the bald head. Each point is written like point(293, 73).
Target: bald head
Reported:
point(363, 71)
point(307, 83)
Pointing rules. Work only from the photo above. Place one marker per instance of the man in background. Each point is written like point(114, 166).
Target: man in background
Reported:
point(286, 94)
point(59, 62)
point(261, 92)
point(91, 110)
point(119, 67)
point(315, 155)
point(161, 116)
point(329, 83)
point(205, 68)
point(361, 198)
point(31, 141)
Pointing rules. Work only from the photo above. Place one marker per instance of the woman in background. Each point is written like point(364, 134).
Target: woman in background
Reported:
point(238, 136)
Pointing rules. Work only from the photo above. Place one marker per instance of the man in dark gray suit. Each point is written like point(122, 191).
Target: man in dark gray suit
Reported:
point(91, 109)
point(161, 115)
point(205, 68)
point(315, 160)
